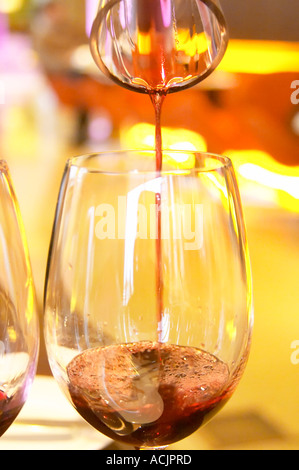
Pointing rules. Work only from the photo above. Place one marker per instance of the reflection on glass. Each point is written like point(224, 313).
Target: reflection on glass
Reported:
point(161, 45)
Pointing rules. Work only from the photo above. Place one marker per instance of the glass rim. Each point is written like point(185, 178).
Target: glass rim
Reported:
point(220, 162)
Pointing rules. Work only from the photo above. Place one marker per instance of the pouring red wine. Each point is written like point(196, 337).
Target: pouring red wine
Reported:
point(152, 393)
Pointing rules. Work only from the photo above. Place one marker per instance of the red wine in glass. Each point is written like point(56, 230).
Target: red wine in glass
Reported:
point(9, 410)
point(147, 394)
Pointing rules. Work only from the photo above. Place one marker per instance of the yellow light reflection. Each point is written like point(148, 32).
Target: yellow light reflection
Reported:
point(260, 169)
point(142, 136)
point(10, 6)
point(191, 45)
point(260, 57)
point(30, 310)
point(289, 184)
point(21, 122)
point(144, 43)
point(231, 330)
point(12, 334)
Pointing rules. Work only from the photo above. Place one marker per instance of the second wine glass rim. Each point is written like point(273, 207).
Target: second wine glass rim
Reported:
point(216, 162)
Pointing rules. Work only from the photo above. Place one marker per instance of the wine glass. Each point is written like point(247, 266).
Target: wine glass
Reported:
point(161, 45)
point(19, 329)
point(148, 313)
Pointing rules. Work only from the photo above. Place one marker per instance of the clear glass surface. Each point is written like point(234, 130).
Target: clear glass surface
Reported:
point(148, 335)
point(163, 45)
point(19, 330)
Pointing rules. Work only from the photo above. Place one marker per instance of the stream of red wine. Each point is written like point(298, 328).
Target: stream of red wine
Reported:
point(156, 46)
point(157, 99)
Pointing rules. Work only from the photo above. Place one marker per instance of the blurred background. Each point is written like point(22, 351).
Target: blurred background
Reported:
point(55, 104)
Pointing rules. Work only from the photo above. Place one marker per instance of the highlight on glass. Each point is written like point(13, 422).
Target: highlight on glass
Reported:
point(19, 328)
point(148, 313)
